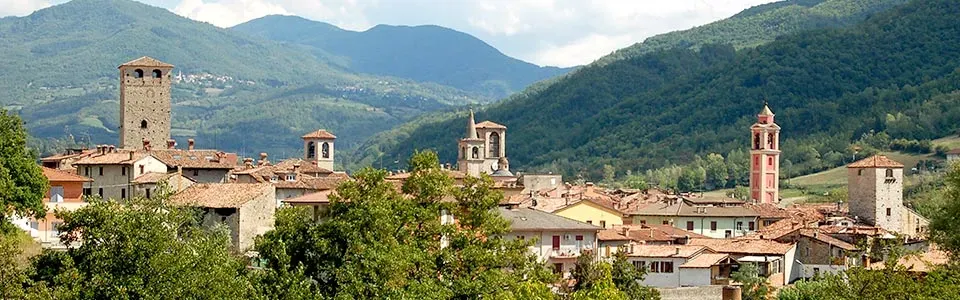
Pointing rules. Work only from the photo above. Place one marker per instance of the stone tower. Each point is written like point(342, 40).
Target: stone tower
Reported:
point(144, 102)
point(318, 146)
point(875, 191)
point(765, 158)
point(472, 150)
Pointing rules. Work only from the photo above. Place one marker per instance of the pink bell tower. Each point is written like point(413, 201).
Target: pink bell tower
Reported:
point(765, 159)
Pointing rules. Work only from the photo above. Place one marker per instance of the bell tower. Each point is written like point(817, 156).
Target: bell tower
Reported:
point(765, 158)
point(144, 102)
point(318, 147)
point(472, 153)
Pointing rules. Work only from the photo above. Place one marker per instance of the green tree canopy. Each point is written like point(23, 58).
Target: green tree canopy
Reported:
point(22, 184)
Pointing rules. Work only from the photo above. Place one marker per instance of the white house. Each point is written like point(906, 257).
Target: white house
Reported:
point(558, 240)
point(710, 220)
point(776, 260)
point(671, 266)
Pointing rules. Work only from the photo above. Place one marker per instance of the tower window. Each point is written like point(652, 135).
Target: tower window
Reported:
point(157, 73)
point(494, 145)
point(888, 211)
point(756, 141)
point(311, 150)
point(138, 73)
point(889, 173)
point(325, 148)
point(476, 152)
point(143, 124)
point(770, 141)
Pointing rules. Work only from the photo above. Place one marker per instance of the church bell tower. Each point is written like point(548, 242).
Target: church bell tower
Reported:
point(144, 102)
point(765, 158)
point(472, 150)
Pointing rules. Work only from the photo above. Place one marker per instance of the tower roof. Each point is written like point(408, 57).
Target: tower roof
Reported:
point(766, 111)
point(319, 134)
point(471, 127)
point(491, 125)
point(146, 61)
point(876, 161)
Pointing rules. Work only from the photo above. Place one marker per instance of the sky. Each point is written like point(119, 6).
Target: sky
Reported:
point(544, 32)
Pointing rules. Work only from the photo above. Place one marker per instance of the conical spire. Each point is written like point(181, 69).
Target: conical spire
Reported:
point(471, 127)
point(766, 110)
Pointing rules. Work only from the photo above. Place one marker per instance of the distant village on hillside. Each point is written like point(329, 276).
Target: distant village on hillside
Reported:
point(685, 240)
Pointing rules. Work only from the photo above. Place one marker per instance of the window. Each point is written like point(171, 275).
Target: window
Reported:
point(196, 172)
point(100, 192)
point(756, 141)
point(325, 149)
point(590, 222)
point(860, 172)
point(770, 141)
point(690, 225)
point(123, 171)
point(311, 150)
point(476, 153)
point(888, 211)
point(157, 73)
point(639, 264)
point(751, 226)
point(665, 222)
point(666, 267)
point(727, 234)
point(654, 267)
point(739, 225)
point(56, 194)
point(101, 171)
point(35, 225)
point(54, 232)
point(123, 193)
point(643, 222)
point(889, 173)
point(141, 169)
point(713, 225)
point(148, 193)
point(87, 191)
point(291, 177)
point(770, 161)
point(520, 237)
point(579, 238)
point(137, 73)
point(273, 178)
point(556, 242)
point(143, 124)
point(603, 224)
point(494, 145)
point(86, 171)
point(463, 152)
point(558, 268)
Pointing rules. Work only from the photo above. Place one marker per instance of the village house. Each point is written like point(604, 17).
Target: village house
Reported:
point(318, 202)
point(612, 241)
point(247, 209)
point(775, 260)
point(597, 211)
point(559, 240)
point(296, 177)
point(671, 266)
point(64, 161)
point(818, 252)
point(708, 220)
point(65, 193)
point(203, 166)
point(148, 185)
point(875, 189)
point(113, 171)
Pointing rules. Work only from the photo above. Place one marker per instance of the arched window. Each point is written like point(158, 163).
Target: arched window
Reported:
point(463, 152)
point(494, 145)
point(889, 173)
point(325, 148)
point(756, 141)
point(138, 73)
point(476, 152)
point(157, 73)
point(143, 124)
point(770, 141)
point(311, 150)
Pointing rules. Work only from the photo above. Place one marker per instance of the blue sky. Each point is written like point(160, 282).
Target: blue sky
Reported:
point(544, 32)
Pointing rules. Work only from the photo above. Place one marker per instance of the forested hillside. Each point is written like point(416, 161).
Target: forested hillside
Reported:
point(424, 53)
point(58, 69)
point(895, 72)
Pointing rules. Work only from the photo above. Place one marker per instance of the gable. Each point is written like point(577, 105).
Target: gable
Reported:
point(586, 205)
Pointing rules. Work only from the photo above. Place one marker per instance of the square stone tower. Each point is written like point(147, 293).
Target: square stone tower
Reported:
point(318, 146)
point(875, 191)
point(144, 102)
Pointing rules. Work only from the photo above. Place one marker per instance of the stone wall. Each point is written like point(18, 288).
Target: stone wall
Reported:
point(872, 192)
point(256, 218)
point(144, 101)
point(692, 293)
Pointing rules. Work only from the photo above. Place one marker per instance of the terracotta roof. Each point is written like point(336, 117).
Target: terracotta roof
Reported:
point(769, 210)
point(705, 260)
point(305, 166)
point(319, 134)
point(492, 125)
point(58, 157)
point(923, 262)
point(222, 195)
point(815, 233)
point(766, 111)
point(121, 157)
point(611, 235)
point(316, 197)
point(876, 161)
point(196, 159)
point(682, 208)
point(146, 61)
point(744, 246)
point(713, 200)
point(403, 176)
point(54, 175)
point(657, 233)
point(684, 251)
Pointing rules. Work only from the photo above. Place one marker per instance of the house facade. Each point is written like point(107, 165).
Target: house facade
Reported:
point(558, 240)
point(590, 211)
point(113, 171)
point(246, 209)
point(65, 193)
point(672, 266)
point(710, 221)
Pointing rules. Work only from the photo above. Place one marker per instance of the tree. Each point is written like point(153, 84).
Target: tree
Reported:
point(22, 184)
point(754, 286)
point(12, 275)
point(691, 179)
point(715, 171)
point(636, 182)
point(141, 248)
point(609, 173)
point(945, 223)
point(627, 277)
point(376, 242)
point(601, 285)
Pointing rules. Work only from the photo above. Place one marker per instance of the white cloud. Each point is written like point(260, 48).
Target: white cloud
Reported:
point(21, 7)
point(545, 32)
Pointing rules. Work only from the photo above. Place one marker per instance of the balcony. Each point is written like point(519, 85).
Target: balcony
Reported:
point(569, 251)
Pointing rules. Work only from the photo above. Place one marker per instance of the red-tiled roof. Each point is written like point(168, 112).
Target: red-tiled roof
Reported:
point(121, 157)
point(58, 157)
point(704, 260)
point(54, 175)
point(685, 251)
point(146, 61)
point(196, 159)
point(319, 134)
point(304, 166)
point(876, 161)
point(317, 197)
point(744, 246)
point(492, 125)
point(222, 195)
point(611, 235)
point(769, 210)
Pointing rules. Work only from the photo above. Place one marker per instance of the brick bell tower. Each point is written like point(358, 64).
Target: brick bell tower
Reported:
point(765, 158)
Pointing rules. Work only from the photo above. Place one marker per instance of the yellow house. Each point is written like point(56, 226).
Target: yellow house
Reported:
point(592, 212)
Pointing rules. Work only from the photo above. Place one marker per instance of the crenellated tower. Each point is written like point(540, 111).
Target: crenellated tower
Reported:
point(144, 102)
point(765, 158)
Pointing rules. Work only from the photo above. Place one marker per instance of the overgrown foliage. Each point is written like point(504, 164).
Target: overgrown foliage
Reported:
point(22, 184)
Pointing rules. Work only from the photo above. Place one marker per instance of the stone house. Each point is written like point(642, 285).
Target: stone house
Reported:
point(875, 189)
point(247, 209)
point(64, 161)
point(113, 170)
point(147, 185)
point(291, 178)
point(558, 240)
point(818, 252)
point(203, 166)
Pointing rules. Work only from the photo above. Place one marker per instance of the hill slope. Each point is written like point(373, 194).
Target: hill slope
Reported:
point(240, 93)
point(423, 53)
point(827, 86)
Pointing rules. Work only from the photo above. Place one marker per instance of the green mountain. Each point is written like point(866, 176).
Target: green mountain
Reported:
point(423, 53)
point(895, 72)
point(237, 92)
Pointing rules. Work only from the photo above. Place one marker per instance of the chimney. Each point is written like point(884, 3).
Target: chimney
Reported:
point(131, 155)
point(248, 163)
point(190, 144)
point(146, 144)
point(263, 159)
point(113, 149)
point(171, 143)
point(296, 167)
point(677, 252)
point(624, 230)
point(100, 149)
